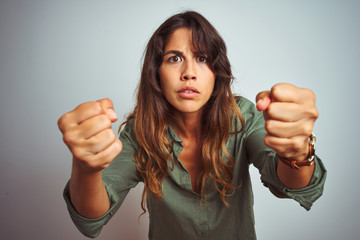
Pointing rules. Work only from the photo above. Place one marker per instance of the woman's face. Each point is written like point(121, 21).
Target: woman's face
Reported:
point(186, 80)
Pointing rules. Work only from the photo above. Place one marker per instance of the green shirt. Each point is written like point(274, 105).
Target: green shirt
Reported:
point(181, 214)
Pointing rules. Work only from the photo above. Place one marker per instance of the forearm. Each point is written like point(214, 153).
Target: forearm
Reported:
point(295, 178)
point(88, 193)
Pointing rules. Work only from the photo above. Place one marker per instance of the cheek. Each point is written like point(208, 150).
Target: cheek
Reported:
point(162, 78)
point(211, 83)
point(164, 85)
point(168, 78)
point(164, 75)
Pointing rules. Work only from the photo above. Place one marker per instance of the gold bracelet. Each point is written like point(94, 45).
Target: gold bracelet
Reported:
point(309, 159)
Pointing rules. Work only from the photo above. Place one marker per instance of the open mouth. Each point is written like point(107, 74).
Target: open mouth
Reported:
point(188, 92)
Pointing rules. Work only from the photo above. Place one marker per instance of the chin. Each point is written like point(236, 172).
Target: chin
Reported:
point(188, 109)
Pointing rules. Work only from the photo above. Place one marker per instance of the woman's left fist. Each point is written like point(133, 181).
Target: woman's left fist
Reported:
point(290, 114)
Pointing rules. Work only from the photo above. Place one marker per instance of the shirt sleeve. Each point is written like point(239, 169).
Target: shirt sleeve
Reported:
point(265, 160)
point(118, 178)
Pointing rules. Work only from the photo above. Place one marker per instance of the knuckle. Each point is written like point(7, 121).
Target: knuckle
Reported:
point(297, 145)
point(267, 140)
point(279, 87)
point(97, 106)
point(271, 110)
point(106, 101)
point(94, 106)
point(60, 122)
point(307, 129)
point(104, 120)
point(77, 153)
point(276, 89)
point(109, 133)
point(118, 145)
point(269, 125)
point(311, 94)
point(316, 114)
point(68, 138)
point(313, 112)
point(63, 121)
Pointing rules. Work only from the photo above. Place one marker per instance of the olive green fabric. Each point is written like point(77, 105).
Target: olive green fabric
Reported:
point(181, 214)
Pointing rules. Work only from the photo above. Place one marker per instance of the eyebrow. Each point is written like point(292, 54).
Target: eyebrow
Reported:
point(174, 52)
point(179, 53)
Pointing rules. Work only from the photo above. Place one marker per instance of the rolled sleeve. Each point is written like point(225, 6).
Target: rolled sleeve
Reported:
point(91, 227)
point(305, 196)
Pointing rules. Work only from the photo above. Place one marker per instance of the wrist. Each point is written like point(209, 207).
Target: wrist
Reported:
point(82, 168)
point(308, 161)
point(85, 177)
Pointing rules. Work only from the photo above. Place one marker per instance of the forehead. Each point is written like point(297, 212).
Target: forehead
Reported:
point(180, 39)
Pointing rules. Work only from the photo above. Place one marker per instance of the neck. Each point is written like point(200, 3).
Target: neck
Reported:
point(188, 125)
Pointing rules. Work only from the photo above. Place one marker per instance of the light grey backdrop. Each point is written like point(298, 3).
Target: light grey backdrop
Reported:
point(55, 55)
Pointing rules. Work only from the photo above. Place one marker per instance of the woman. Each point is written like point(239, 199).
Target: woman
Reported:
point(191, 142)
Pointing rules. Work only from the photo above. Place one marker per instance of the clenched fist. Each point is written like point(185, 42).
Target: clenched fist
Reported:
point(290, 114)
point(88, 134)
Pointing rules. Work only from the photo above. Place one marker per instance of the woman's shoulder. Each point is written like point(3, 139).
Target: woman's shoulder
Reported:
point(244, 104)
point(249, 112)
point(127, 133)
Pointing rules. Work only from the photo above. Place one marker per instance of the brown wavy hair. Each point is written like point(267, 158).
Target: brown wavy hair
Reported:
point(152, 113)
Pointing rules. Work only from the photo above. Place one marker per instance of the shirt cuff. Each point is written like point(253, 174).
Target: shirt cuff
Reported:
point(305, 196)
point(91, 227)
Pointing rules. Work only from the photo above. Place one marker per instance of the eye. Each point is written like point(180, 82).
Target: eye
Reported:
point(174, 59)
point(201, 59)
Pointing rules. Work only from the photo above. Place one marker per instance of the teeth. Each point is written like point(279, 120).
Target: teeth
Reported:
point(188, 91)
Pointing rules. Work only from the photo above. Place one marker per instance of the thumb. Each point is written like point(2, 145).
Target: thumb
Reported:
point(263, 100)
point(108, 107)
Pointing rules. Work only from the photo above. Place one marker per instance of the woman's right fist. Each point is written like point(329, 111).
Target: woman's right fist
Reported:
point(88, 134)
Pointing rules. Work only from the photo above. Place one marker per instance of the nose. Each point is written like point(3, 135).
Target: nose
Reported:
point(189, 71)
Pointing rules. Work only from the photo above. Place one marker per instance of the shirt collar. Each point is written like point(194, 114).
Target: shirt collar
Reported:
point(173, 135)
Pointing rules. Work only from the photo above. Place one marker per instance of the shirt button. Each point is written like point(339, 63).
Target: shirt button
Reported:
point(203, 234)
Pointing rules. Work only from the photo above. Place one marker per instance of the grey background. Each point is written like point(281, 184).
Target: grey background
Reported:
point(55, 55)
